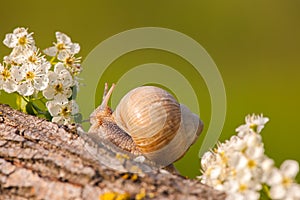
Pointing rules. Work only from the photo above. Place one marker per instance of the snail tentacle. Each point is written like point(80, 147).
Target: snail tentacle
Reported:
point(107, 95)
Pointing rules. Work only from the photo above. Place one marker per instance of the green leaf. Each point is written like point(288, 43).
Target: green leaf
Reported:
point(265, 193)
point(29, 108)
point(78, 118)
point(21, 103)
point(48, 116)
point(74, 93)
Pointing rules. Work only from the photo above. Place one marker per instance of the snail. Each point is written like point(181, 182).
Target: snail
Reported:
point(148, 121)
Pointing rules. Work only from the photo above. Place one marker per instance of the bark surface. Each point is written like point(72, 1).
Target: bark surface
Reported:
point(42, 160)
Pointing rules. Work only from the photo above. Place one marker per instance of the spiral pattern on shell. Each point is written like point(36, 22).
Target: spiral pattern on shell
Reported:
point(162, 129)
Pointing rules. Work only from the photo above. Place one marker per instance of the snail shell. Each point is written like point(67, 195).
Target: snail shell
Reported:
point(161, 128)
point(148, 121)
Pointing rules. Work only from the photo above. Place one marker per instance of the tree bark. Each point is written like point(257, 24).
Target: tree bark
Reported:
point(42, 160)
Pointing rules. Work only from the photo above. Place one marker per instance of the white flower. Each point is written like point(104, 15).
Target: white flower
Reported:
point(60, 83)
point(63, 44)
point(19, 39)
point(71, 63)
point(267, 166)
point(32, 77)
point(20, 60)
point(254, 123)
point(19, 57)
point(239, 190)
point(30, 56)
point(7, 82)
point(239, 167)
point(282, 180)
point(207, 160)
point(62, 113)
point(234, 166)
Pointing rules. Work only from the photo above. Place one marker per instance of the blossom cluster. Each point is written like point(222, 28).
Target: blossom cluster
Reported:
point(240, 167)
point(27, 72)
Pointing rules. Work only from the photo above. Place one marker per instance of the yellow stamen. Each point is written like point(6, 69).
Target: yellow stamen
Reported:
point(60, 46)
point(32, 58)
point(30, 75)
point(223, 157)
point(65, 112)
point(6, 74)
point(58, 88)
point(22, 40)
point(254, 127)
point(242, 187)
point(69, 61)
point(251, 163)
point(286, 181)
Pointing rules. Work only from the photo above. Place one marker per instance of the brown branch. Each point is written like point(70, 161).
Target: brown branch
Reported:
point(41, 160)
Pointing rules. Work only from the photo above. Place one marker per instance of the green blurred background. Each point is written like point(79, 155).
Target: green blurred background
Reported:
point(255, 44)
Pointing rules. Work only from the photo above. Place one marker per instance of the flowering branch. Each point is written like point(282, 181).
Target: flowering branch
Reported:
point(240, 168)
point(44, 88)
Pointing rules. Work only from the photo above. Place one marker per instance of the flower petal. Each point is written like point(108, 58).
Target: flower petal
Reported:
point(51, 51)
point(10, 40)
point(10, 86)
point(41, 83)
point(74, 48)
point(53, 108)
point(62, 38)
point(277, 192)
point(25, 89)
point(290, 168)
point(49, 92)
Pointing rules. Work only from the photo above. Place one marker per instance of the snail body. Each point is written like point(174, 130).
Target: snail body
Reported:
point(148, 121)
